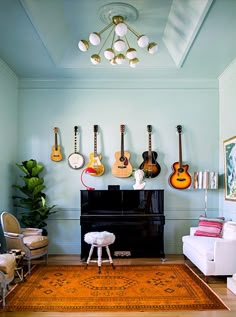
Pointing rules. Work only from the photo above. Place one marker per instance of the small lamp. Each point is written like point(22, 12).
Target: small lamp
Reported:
point(90, 171)
point(205, 180)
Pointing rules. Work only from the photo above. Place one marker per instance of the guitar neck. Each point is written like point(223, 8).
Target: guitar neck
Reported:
point(122, 145)
point(180, 152)
point(75, 140)
point(149, 145)
point(56, 144)
point(95, 145)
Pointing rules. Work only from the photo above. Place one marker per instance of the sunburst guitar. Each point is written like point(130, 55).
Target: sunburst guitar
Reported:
point(180, 178)
point(56, 154)
point(122, 166)
point(150, 165)
point(94, 158)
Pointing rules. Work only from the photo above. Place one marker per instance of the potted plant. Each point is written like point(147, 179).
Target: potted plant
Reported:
point(33, 202)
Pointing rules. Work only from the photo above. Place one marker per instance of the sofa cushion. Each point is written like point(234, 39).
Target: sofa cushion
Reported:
point(229, 230)
point(203, 245)
point(209, 227)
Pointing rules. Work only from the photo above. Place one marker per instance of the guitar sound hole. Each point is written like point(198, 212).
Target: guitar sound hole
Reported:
point(122, 158)
point(180, 170)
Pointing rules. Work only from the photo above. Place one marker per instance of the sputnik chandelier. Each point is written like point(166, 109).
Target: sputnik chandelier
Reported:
point(120, 49)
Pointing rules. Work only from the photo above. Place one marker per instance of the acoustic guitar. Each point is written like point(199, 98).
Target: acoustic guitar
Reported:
point(56, 154)
point(150, 165)
point(180, 178)
point(94, 158)
point(122, 166)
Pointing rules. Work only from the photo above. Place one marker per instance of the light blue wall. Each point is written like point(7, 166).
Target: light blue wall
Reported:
point(44, 105)
point(8, 137)
point(8, 133)
point(227, 128)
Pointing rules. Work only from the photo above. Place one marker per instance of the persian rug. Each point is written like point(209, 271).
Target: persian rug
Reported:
point(71, 288)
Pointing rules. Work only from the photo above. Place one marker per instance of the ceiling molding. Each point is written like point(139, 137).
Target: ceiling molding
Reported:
point(184, 21)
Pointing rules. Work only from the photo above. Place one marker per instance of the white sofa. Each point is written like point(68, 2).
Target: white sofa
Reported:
point(213, 256)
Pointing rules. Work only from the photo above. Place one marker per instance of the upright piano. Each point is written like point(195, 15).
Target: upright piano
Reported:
point(136, 217)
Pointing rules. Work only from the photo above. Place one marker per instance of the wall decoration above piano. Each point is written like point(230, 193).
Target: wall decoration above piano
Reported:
point(56, 154)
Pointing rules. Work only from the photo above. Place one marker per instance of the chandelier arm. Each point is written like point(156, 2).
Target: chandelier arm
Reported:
point(106, 39)
point(127, 41)
point(133, 31)
point(106, 28)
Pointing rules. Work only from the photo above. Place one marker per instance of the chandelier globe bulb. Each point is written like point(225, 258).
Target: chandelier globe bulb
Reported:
point(119, 45)
point(109, 53)
point(95, 59)
point(131, 53)
point(83, 45)
point(121, 29)
point(152, 48)
point(142, 41)
point(120, 59)
point(133, 62)
point(95, 38)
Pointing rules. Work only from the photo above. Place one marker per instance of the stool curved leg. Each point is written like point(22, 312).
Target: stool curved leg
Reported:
point(99, 251)
point(109, 256)
point(90, 254)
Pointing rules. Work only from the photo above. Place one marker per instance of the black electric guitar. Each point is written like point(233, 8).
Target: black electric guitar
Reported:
point(122, 166)
point(94, 158)
point(150, 165)
point(180, 178)
point(56, 154)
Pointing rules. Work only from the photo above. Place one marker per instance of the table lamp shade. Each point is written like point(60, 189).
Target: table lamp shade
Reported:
point(205, 180)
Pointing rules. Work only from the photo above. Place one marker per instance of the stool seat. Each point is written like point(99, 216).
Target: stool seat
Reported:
point(99, 240)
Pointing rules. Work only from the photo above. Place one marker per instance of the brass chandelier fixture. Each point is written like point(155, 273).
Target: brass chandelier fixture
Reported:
point(120, 50)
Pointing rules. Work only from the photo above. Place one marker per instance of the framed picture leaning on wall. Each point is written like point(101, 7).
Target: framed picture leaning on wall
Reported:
point(230, 168)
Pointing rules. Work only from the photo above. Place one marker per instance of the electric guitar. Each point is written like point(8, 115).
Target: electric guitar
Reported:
point(56, 154)
point(180, 178)
point(94, 158)
point(122, 166)
point(150, 165)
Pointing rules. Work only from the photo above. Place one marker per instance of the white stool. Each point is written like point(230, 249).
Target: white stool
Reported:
point(99, 240)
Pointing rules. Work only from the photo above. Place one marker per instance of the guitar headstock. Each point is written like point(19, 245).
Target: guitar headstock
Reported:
point(122, 128)
point(55, 130)
point(95, 128)
point(149, 128)
point(76, 129)
point(179, 129)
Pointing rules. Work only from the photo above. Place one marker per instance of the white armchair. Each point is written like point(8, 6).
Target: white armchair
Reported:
point(213, 256)
point(29, 240)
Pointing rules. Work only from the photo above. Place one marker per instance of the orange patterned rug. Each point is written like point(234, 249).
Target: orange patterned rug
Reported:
point(164, 287)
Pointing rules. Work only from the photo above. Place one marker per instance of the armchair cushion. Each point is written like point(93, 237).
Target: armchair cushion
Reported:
point(7, 263)
point(35, 242)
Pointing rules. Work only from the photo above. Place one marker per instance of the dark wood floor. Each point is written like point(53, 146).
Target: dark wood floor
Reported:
point(218, 284)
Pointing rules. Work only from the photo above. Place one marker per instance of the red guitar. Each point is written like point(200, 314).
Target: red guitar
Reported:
point(180, 178)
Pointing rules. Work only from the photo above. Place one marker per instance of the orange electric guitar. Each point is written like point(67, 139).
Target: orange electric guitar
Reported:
point(122, 166)
point(150, 165)
point(180, 178)
point(56, 154)
point(94, 158)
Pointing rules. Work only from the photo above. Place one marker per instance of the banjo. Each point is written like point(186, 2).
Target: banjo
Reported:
point(75, 160)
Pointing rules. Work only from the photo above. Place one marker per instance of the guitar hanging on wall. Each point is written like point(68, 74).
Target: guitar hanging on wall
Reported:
point(180, 178)
point(76, 160)
point(56, 154)
point(150, 165)
point(94, 158)
point(122, 166)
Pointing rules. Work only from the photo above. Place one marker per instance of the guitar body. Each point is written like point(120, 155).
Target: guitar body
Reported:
point(150, 165)
point(180, 178)
point(95, 163)
point(56, 154)
point(122, 166)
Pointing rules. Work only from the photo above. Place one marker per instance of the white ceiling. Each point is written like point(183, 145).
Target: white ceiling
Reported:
point(196, 38)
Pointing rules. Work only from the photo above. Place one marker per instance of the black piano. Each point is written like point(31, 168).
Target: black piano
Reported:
point(136, 217)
